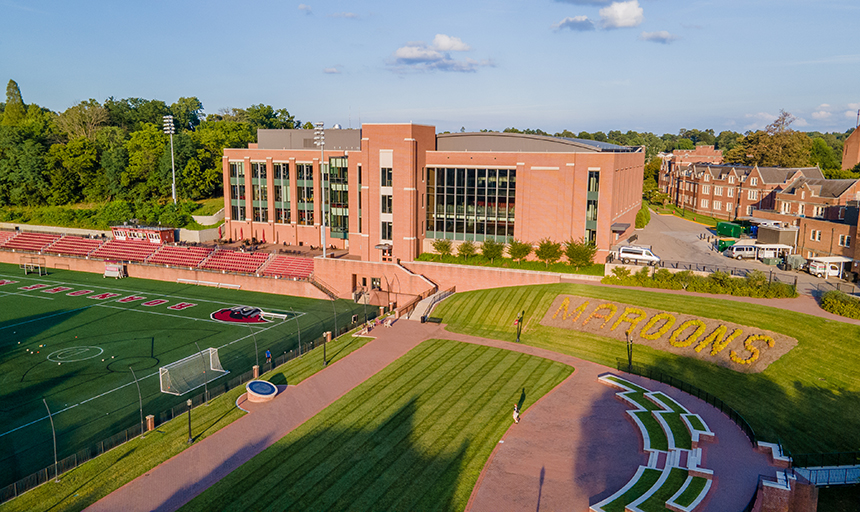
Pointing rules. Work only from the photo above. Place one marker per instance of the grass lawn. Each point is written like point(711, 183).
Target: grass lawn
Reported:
point(697, 484)
point(89, 482)
point(209, 206)
point(596, 269)
point(657, 501)
point(415, 436)
point(809, 399)
point(689, 215)
point(646, 481)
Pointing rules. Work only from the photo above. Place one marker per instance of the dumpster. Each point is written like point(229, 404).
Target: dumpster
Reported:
point(729, 229)
point(725, 243)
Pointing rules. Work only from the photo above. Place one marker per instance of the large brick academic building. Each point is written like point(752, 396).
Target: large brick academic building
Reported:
point(391, 189)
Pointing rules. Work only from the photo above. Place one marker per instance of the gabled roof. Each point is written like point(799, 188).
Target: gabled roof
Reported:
point(821, 187)
point(768, 174)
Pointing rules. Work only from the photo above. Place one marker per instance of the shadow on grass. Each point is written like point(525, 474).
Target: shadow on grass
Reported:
point(377, 466)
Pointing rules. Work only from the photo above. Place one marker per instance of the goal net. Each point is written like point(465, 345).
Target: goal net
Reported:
point(191, 372)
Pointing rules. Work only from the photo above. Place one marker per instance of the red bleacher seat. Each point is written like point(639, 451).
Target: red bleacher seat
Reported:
point(6, 235)
point(288, 266)
point(35, 242)
point(125, 250)
point(74, 245)
point(233, 261)
point(180, 256)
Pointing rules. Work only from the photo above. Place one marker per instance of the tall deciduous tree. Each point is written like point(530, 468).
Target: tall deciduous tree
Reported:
point(519, 250)
point(186, 113)
point(548, 251)
point(15, 110)
point(145, 148)
point(83, 120)
point(579, 253)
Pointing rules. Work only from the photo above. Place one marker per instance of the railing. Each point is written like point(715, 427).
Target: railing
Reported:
point(825, 459)
point(848, 288)
point(76, 459)
point(658, 375)
point(439, 297)
point(323, 287)
point(831, 476)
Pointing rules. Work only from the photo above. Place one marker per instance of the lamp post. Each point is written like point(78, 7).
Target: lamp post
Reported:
point(190, 439)
point(519, 324)
point(319, 140)
point(54, 435)
point(299, 329)
point(205, 377)
point(140, 399)
point(629, 353)
point(170, 130)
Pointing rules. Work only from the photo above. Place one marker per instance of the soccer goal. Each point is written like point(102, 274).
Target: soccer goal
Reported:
point(191, 372)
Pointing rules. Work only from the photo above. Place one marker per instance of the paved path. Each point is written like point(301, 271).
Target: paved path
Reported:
point(572, 448)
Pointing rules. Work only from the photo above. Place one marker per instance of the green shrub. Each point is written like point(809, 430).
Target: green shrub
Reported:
point(580, 252)
point(519, 250)
point(466, 249)
point(442, 246)
point(492, 249)
point(841, 304)
point(643, 216)
point(548, 251)
point(717, 283)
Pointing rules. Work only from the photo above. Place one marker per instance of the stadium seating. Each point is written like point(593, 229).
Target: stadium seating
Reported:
point(74, 245)
point(6, 235)
point(287, 266)
point(179, 256)
point(26, 241)
point(232, 261)
point(124, 250)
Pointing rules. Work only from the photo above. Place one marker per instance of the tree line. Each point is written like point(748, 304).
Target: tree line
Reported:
point(116, 150)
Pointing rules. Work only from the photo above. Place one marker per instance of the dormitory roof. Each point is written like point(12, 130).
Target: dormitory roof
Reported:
point(768, 174)
point(821, 187)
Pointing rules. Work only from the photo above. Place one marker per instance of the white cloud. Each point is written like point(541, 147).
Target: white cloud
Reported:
point(662, 37)
point(331, 71)
point(851, 113)
point(436, 57)
point(445, 43)
point(759, 120)
point(577, 23)
point(305, 8)
point(821, 114)
point(621, 15)
point(585, 2)
point(823, 106)
point(800, 122)
point(855, 106)
point(347, 15)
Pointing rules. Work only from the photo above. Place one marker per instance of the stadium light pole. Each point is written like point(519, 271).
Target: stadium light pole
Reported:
point(54, 434)
point(170, 130)
point(205, 379)
point(256, 350)
point(188, 403)
point(319, 140)
point(140, 399)
point(299, 329)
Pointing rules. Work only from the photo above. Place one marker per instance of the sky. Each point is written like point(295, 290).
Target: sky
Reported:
point(593, 65)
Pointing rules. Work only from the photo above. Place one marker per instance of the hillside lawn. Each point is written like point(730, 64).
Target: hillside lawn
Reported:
point(415, 436)
point(809, 399)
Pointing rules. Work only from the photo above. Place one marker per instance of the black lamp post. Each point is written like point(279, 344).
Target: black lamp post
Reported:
point(629, 353)
point(190, 439)
point(520, 324)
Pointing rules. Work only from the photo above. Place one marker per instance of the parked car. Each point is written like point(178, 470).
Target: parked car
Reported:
point(641, 255)
point(823, 269)
point(741, 251)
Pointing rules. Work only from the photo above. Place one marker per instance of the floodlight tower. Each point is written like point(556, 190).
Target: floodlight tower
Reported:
point(170, 130)
point(319, 140)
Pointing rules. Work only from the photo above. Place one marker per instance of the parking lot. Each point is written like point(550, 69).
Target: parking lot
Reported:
point(676, 239)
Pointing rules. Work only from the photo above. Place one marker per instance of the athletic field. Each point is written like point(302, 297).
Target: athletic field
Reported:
point(71, 338)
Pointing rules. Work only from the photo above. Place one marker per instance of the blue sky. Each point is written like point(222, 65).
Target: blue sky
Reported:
point(645, 65)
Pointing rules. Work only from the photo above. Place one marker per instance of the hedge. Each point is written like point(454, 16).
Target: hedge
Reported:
point(841, 304)
point(753, 285)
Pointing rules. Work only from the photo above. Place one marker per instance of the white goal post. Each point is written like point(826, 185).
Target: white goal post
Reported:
point(191, 372)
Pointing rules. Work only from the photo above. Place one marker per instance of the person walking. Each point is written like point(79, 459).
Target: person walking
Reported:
point(516, 413)
point(268, 356)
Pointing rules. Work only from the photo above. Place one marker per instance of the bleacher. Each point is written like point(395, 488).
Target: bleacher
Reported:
point(179, 256)
point(74, 245)
point(125, 250)
point(35, 242)
point(6, 235)
point(232, 261)
point(288, 266)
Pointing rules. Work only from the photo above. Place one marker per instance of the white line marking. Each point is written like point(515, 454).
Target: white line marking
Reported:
point(25, 295)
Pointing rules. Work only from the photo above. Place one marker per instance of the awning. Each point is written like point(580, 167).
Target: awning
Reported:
point(383, 247)
point(831, 259)
point(620, 227)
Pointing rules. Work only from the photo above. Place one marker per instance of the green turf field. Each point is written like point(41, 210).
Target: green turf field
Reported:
point(67, 338)
point(415, 436)
point(809, 399)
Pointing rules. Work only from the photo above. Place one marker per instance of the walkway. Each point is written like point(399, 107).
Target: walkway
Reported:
point(572, 448)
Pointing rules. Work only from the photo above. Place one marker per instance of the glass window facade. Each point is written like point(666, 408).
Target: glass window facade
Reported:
point(305, 190)
point(338, 197)
point(281, 175)
point(237, 191)
point(471, 204)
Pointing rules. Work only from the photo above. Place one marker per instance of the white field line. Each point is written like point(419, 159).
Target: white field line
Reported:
point(25, 294)
point(130, 383)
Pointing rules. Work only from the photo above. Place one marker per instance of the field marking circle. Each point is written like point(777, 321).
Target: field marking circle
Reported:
point(74, 354)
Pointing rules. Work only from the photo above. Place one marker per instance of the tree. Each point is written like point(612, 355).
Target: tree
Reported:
point(823, 155)
point(83, 120)
point(548, 251)
point(145, 148)
point(15, 111)
point(580, 253)
point(519, 250)
point(264, 116)
point(466, 249)
point(442, 246)
point(777, 145)
point(186, 113)
point(492, 249)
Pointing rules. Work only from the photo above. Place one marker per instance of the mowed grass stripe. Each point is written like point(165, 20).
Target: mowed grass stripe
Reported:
point(404, 449)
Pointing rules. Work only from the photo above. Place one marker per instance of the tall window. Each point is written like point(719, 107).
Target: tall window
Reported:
point(385, 177)
point(753, 182)
point(281, 177)
point(593, 181)
point(237, 170)
point(706, 189)
point(305, 191)
point(718, 191)
point(386, 231)
point(386, 204)
point(258, 170)
point(730, 192)
point(752, 195)
point(591, 210)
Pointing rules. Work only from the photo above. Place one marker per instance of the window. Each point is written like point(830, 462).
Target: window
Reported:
point(750, 209)
point(718, 205)
point(818, 211)
point(752, 195)
point(591, 210)
point(815, 235)
point(800, 209)
point(593, 181)
point(237, 170)
point(730, 192)
point(707, 177)
point(386, 204)
point(258, 170)
point(786, 207)
point(841, 213)
point(718, 191)
point(729, 207)
point(704, 203)
point(844, 241)
point(385, 177)
point(706, 189)
point(753, 182)
point(731, 180)
point(386, 231)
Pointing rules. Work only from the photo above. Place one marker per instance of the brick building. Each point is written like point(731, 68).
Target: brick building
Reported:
point(851, 150)
point(390, 189)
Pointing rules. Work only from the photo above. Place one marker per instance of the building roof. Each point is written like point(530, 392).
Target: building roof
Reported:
point(768, 174)
point(335, 139)
point(521, 142)
point(821, 187)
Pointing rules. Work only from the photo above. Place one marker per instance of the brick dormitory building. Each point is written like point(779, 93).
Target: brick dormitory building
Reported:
point(824, 211)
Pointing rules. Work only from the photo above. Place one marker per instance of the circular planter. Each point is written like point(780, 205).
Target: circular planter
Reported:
point(261, 391)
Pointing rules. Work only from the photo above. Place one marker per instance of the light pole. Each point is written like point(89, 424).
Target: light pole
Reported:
point(169, 130)
point(299, 329)
point(54, 434)
point(190, 439)
point(205, 378)
point(319, 140)
point(629, 353)
point(140, 398)
point(256, 350)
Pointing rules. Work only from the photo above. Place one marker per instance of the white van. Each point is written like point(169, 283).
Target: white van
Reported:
point(823, 269)
point(641, 255)
point(741, 251)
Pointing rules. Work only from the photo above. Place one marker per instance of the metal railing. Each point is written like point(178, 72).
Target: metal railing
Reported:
point(825, 459)
point(831, 476)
